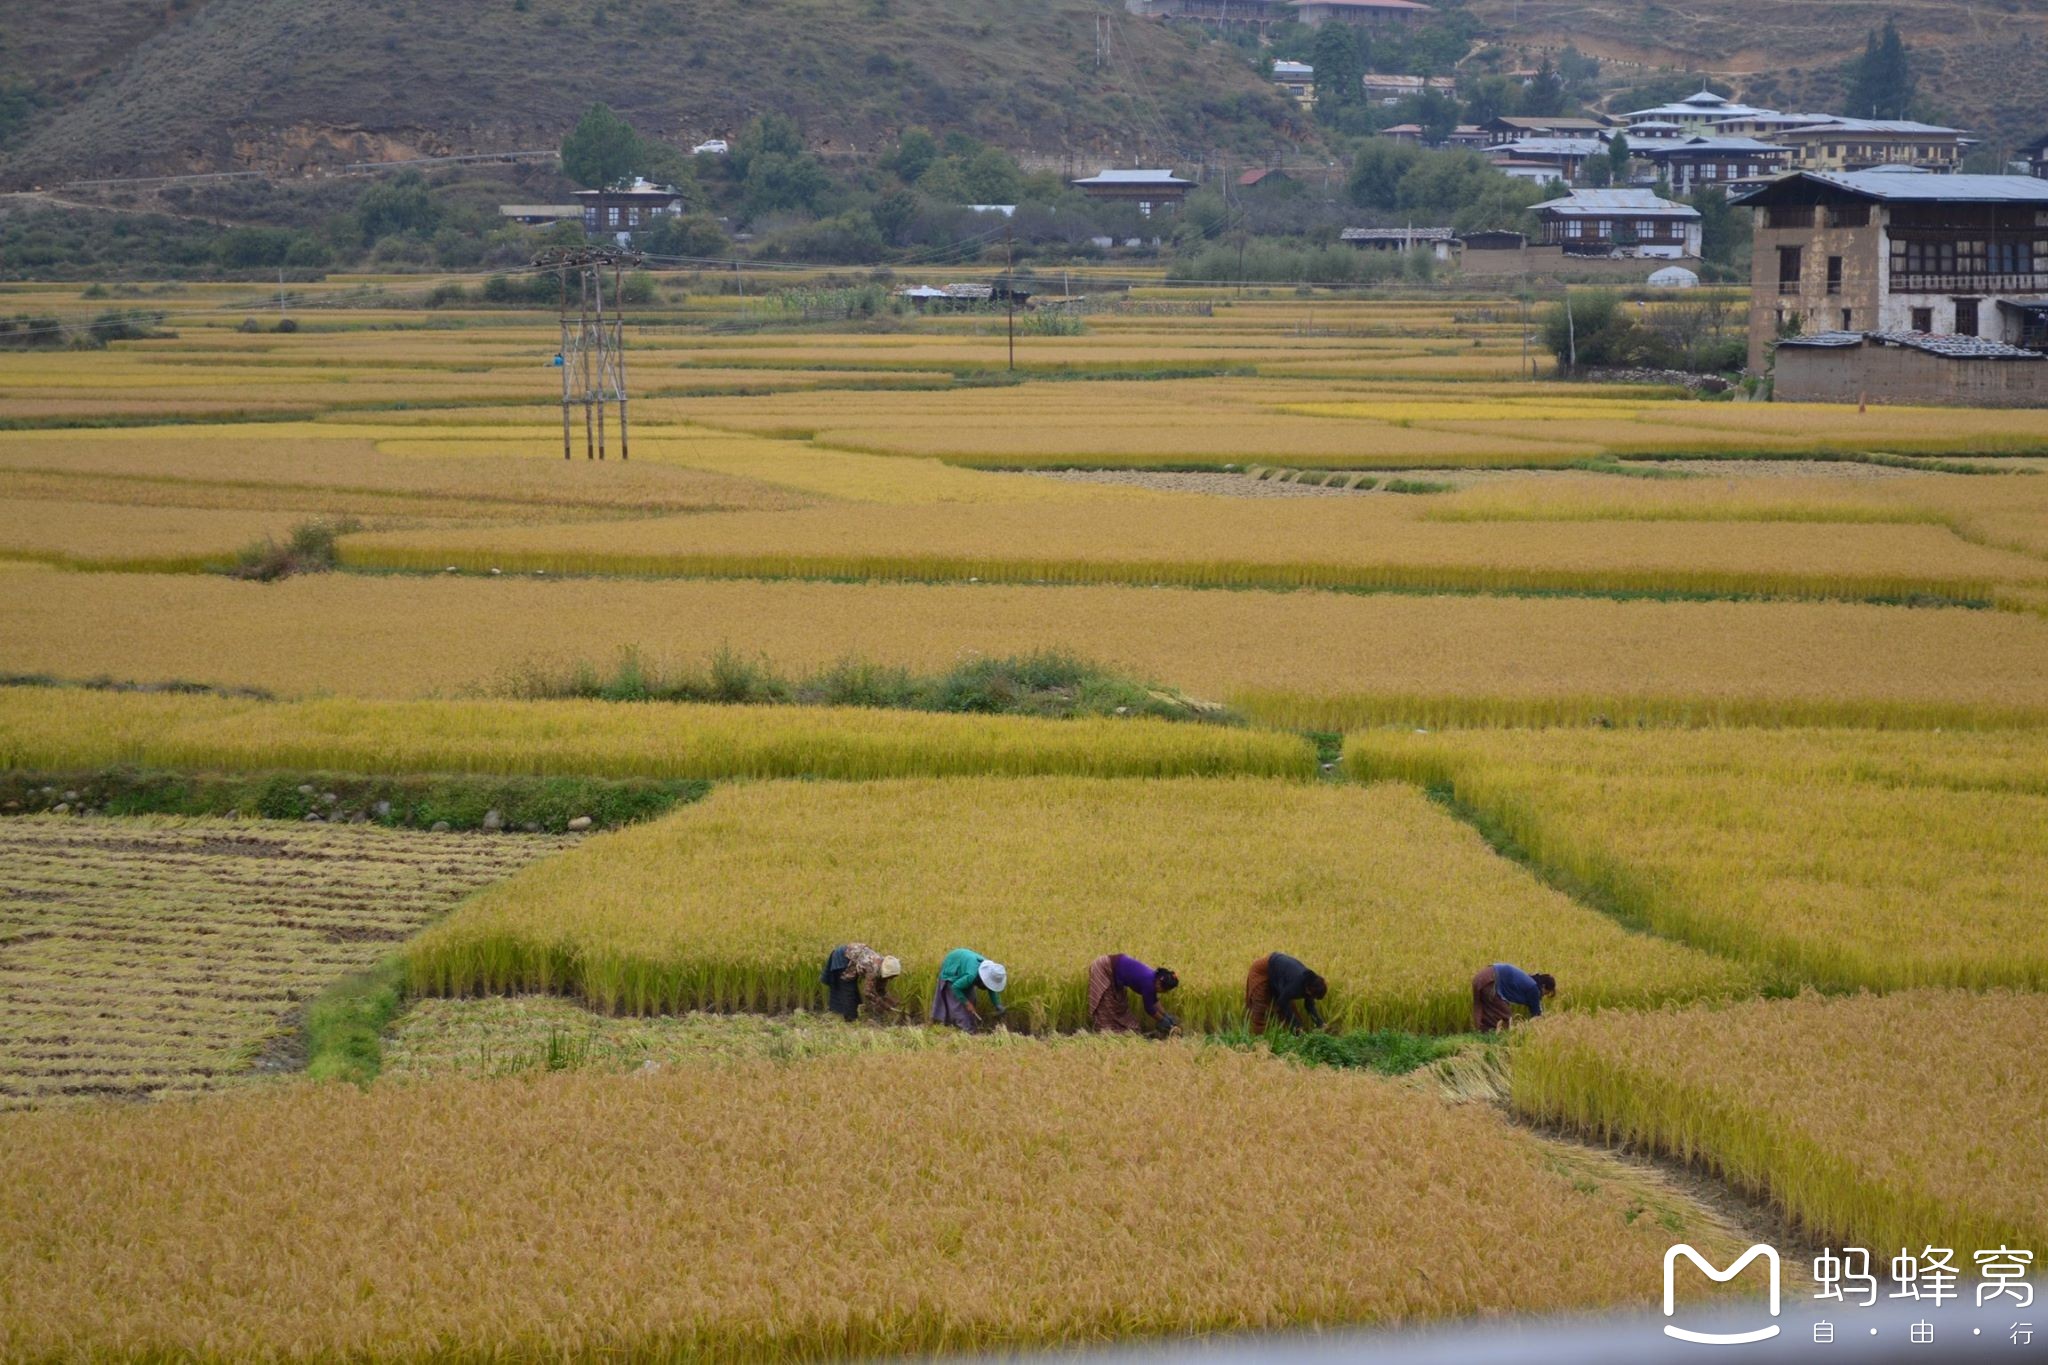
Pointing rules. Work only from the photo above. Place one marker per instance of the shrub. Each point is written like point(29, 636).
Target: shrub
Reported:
point(310, 548)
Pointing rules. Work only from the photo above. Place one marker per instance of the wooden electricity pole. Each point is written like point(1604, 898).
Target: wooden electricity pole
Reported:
point(593, 354)
point(1010, 291)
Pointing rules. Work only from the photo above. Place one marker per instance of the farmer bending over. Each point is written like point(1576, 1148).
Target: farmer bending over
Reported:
point(1502, 985)
point(1286, 987)
point(857, 975)
point(1110, 978)
point(959, 974)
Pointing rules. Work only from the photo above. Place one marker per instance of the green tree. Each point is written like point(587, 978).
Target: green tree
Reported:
point(915, 151)
point(780, 183)
point(1489, 98)
point(601, 150)
point(1723, 229)
point(1438, 115)
point(1618, 159)
point(402, 204)
point(1545, 97)
point(1375, 181)
point(1880, 83)
point(1340, 73)
point(992, 177)
point(695, 235)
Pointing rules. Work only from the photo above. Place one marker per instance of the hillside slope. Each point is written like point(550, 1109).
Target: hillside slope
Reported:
point(1982, 64)
point(281, 85)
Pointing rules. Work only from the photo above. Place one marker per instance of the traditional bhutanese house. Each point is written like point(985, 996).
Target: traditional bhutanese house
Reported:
point(1359, 13)
point(1908, 367)
point(1625, 223)
point(1898, 251)
point(1509, 127)
point(1403, 132)
point(1863, 144)
point(1296, 78)
point(1467, 135)
point(623, 210)
point(1394, 89)
point(1267, 182)
point(2035, 154)
point(1564, 156)
point(1440, 242)
point(1766, 124)
point(1148, 191)
point(1654, 130)
point(1698, 162)
point(1695, 113)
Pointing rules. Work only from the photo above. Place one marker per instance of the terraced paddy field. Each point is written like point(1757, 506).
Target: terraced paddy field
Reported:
point(722, 906)
point(145, 958)
point(1319, 660)
point(1725, 703)
point(1841, 858)
point(1772, 1095)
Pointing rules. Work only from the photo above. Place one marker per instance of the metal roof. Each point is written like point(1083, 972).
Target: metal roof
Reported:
point(1701, 105)
point(1421, 234)
point(1362, 4)
point(1874, 125)
point(1554, 146)
point(1923, 188)
point(1135, 177)
point(1708, 144)
point(1933, 343)
point(1619, 203)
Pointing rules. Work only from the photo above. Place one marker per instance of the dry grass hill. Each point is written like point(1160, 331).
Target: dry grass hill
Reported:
point(125, 87)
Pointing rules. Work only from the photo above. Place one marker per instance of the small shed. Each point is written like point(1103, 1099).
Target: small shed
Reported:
point(1440, 242)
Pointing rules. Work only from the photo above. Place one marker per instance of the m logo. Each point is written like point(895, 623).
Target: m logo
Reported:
point(1769, 1254)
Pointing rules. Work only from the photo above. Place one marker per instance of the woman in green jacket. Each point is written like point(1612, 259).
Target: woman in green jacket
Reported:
point(962, 971)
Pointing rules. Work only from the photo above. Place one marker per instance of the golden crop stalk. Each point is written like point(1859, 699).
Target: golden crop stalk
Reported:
point(733, 904)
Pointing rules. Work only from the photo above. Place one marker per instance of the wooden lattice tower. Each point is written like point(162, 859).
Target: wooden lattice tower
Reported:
point(593, 354)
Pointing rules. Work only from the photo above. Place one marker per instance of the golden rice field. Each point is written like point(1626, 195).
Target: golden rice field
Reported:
point(1316, 660)
point(439, 1037)
point(1841, 858)
point(996, 1207)
point(59, 730)
point(1771, 715)
point(1881, 1122)
point(732, 905)
point(147, 957)
point(1209, 542)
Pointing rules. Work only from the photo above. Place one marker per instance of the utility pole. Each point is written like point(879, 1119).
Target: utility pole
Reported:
point(1010, 291)
point(593, 354)
point(280, 295)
